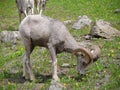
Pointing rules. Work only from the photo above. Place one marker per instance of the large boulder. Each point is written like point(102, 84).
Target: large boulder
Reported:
point(9, 36)
point(103, 29)
point(81, 22)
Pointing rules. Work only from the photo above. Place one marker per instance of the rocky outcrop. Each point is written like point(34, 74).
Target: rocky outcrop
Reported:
point(103, 29)
point(81, 22)
point(9, 36)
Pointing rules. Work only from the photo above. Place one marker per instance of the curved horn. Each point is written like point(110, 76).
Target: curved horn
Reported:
point(87, 53)
point(95, 51)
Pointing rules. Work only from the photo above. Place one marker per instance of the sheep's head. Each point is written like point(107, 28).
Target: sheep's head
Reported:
point(85, 57)
point(43, 2)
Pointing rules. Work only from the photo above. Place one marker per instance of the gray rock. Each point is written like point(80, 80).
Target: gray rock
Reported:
point(81, 22)
point(87, 37)
point(9, 36)
point(86, 44)
point(67, 22)
point(103, 29)
point(65, 65)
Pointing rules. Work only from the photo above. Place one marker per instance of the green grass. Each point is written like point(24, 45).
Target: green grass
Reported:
point(102, 75)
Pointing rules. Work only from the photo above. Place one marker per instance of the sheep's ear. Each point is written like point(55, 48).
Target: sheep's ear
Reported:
point(95, 51)
point(85, 52)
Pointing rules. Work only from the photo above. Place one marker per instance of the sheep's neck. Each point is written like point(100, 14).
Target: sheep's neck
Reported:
point(70, 44)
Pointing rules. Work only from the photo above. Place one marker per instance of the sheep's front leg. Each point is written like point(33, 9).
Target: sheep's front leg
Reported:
point(41, 12)
point(32, 9)
point(41, 8)
point(54, 62)
point(38, 8)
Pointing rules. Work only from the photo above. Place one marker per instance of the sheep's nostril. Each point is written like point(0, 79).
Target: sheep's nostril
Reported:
point(81, 72)
point(95, 59)
point(84, 64)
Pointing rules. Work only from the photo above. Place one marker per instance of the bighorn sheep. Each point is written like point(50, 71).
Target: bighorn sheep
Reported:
point(25, 6)
point(40, 5)
point(46, 32)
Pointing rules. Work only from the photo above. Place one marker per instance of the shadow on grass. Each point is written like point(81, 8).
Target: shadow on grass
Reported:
point(40, 78)
point(17, 78)
point(13, 77)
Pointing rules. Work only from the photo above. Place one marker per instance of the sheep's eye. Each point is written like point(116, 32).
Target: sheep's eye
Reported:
point(84, 64)
point(82, 55)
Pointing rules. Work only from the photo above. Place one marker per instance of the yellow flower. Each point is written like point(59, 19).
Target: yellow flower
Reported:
point(112, 51)
point(86, 74)
point(69, 77)
point(83, 78)
point(8, 83)
point(104, 71)
point(64, 84)
point(76, 84)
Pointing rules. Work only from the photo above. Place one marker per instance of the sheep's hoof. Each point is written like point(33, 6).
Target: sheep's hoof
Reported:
point(23, 77)
point(32, 79)
point(56, 79)
point(26, 78)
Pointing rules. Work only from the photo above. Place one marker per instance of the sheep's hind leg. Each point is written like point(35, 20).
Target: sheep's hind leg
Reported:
point(27, 69)
point(33, 10)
